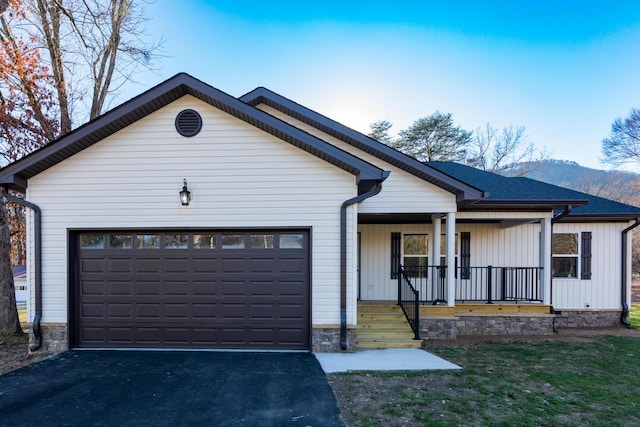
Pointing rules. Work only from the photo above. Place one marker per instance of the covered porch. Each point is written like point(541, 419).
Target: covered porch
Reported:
point(455, 265)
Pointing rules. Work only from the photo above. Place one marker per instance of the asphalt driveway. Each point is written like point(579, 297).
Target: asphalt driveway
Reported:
point(169, 388)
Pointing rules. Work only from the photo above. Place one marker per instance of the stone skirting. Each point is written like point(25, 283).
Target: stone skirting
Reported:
point(587, 318)
point(55, 338)
point(450, 328)
point(327, 340)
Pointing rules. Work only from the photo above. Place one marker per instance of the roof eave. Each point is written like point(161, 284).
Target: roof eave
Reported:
point(463, 191)
point(524, 204)
point(163, 94)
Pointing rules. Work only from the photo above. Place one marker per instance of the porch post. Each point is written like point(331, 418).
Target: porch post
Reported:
point(545, 259)
point(451, 258)
point(436, 220)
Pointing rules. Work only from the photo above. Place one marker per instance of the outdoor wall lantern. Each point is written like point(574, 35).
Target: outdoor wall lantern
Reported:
point(185, 195)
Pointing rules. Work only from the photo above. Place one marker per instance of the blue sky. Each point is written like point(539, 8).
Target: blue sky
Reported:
point(563, 69)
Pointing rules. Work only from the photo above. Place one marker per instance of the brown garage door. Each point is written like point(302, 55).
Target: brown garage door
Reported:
point(207, 289)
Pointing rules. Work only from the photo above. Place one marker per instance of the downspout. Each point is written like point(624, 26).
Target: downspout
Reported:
point(37, 233)
point(565, 212)
point(343, 255)
point(625, 307)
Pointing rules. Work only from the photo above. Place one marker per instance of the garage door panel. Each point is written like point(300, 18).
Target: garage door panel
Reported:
point(149, 288)
point(93, 265)
point(120, 311)
point(120, 265)
point(92, 288)
point(241, 290)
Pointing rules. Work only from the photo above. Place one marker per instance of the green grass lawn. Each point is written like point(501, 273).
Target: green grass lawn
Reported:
point(634, 316)
point(594, 381)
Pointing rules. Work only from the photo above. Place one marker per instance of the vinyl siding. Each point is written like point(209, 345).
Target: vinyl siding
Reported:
point(401, 192)
point(490, 245)
point(238, 176)
point(603, 290)
point(517, 246)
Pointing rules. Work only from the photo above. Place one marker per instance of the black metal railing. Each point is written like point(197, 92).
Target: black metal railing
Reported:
point(409, 300)
point(498, 284)
point(430, 281)
point(474, 284)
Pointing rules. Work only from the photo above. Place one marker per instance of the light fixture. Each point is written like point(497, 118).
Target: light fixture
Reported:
point(185, 195)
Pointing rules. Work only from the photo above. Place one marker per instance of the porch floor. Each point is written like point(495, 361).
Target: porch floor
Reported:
point(476, 309)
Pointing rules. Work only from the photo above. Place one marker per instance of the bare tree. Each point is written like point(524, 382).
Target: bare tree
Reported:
point(498, 151)
point(94, 47)
point(90, 47)
point(623, 144)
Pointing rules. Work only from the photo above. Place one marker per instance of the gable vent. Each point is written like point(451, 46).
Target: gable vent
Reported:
point(188, 123)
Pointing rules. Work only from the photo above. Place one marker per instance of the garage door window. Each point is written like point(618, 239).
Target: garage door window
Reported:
point(262, 241)
point(92, 241)
point(148, 241)
point(176, 241)
point(232, 241)
point(204, 241)
point(120, 241)
point(291, 241)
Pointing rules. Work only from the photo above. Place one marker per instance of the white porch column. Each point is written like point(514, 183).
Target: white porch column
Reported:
point(434, 258)
point(451, 258)
point(545, 259)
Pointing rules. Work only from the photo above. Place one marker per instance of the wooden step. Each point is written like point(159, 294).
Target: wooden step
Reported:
point(389, 343)
point(384, 326)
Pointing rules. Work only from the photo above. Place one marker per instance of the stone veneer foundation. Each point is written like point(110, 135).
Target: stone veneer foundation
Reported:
point(327, 340)
point(450, 328)
point(55, 339)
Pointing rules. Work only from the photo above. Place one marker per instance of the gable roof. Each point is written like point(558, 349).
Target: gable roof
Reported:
point(465, 193)
point(522, 192)
point(16, 174)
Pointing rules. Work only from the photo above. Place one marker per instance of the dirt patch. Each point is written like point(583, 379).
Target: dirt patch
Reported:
point(14, 353)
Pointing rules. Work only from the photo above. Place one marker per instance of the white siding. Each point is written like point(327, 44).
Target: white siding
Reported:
point(507, 247)
point(603, 291)
point(402, 192)
point(490, 245)
point(238, 176)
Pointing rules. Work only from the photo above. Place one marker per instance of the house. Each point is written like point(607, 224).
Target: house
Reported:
point(188, 218)
point(20, 282)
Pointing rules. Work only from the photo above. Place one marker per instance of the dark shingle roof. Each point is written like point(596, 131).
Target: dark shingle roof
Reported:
point(519, 191)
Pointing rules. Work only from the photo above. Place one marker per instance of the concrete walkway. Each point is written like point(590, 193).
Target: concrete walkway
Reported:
point(395, 359)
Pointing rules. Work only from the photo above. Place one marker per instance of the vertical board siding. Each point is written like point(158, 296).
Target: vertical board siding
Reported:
point(490, 245)
point(238, 176)
point(401, 192)
point(517, 246)
point(603, 290)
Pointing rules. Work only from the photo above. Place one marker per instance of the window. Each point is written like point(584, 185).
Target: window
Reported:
point(572, 255)
point(291, 241)
point(232, 241)
point(92, 241)
point(120, 241)
point(176, 241)
point(416, 254)
point(148, 241)
point(443, 249)
point(204, 241)
point(261, 241)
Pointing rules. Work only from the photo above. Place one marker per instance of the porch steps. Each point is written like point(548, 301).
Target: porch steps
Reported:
point(384, 326)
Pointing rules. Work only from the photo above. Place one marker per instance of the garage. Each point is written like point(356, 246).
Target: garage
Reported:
point(192, 289)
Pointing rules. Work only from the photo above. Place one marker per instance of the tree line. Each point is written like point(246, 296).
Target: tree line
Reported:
point(437, 138)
